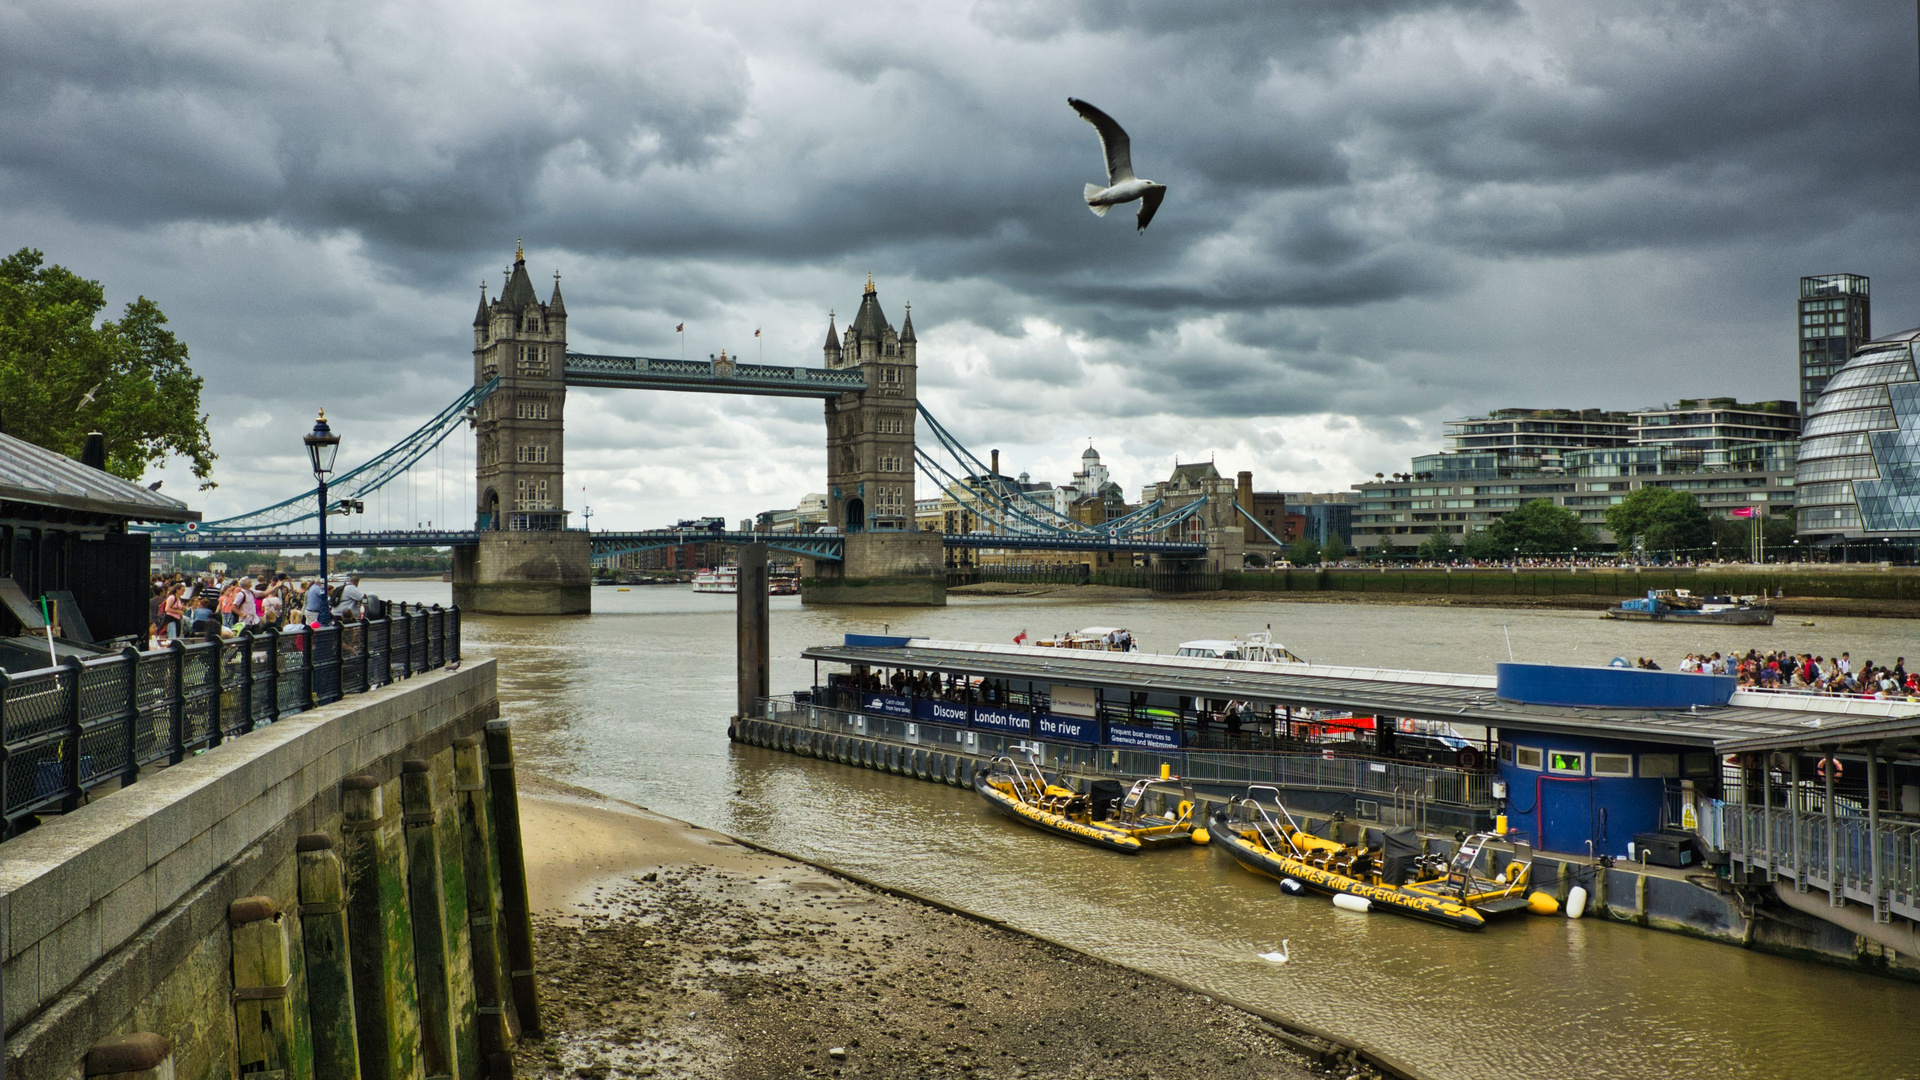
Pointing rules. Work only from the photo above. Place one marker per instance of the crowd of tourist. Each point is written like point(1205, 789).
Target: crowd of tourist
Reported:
point(1807, 673)
point(185, 606)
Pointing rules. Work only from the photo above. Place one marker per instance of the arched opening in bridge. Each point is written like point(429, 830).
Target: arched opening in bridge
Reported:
point(856, 515)
point(490, 514)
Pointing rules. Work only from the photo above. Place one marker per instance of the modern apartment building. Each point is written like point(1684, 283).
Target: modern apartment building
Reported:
point(1715, 428)
point(1535, 438)
point(1400, 514)
point(1835, 319)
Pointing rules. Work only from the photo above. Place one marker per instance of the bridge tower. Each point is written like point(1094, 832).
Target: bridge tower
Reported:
point(527, 561)
point(870, 470)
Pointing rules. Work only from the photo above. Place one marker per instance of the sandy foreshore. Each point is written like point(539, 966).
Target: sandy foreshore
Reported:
point(667, 950)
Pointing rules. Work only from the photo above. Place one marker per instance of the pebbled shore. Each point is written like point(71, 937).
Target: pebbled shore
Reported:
point(668, 951)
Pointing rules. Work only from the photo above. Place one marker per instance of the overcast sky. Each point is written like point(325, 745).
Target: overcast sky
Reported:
point(1381, 215)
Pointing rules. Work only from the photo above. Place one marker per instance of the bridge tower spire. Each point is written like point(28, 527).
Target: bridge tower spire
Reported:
point(527, 560)
point(520, 453)
point(870, 470)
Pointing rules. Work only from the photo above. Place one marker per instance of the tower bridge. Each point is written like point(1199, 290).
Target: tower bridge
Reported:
point(523, 556)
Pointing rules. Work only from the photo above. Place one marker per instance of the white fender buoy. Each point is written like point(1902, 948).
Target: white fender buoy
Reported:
point(1576, 901)
point(1349, 902)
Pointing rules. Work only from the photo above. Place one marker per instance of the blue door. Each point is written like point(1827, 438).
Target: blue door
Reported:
point(1566, 815)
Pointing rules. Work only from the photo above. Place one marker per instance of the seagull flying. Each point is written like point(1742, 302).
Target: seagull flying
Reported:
point(86, 399)
point(1122, 185)
point(1280, 957)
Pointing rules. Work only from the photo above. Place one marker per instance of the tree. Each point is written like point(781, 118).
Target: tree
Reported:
point(62, 375)
point(1661, 519)
point(1536, 528)
point(1334, 549)
point(1303, 552)
point(1438, 546)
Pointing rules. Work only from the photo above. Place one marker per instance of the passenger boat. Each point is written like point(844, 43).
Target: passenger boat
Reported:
point(783, 583)
point(1387, 871)
point(1258, 645)
point(720, 579)
point(1099, 638)
point(1681, 606)
point(1101, 817)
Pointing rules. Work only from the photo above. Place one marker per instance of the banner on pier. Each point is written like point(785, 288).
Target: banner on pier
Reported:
point(1070, 728)
point(1013, 721)
point(886, 705)
point(1143, 738)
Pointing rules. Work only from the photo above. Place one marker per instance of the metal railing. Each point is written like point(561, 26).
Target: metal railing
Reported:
point(1795, 845)
point(1324, 771)
point(67, 729)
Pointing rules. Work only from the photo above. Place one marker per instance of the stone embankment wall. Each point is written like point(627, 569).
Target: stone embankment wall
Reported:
point(326, 896)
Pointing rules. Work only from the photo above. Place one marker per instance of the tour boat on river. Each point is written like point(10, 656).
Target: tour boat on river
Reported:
point(726, 579)
point(1101, 816)
point(1258, 645)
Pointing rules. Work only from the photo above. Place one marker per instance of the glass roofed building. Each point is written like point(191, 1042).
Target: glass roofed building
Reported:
point(1858, 474)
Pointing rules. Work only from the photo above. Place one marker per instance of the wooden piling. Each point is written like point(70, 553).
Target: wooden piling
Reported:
point(386, 1011)
point(323, 938)
point(515, 911)
point(427, 899)
point(263, 1027)
point(495, 1023)
point(752, 625)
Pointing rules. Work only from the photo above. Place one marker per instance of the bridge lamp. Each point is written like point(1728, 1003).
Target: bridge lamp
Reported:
point(322, 447)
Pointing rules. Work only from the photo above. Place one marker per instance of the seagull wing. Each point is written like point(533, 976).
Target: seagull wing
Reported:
point(1149, 203)
point(1113, 139)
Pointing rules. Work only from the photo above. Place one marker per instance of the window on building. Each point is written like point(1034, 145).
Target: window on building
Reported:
point(1655, 764)
point(531, 494)
point(1528, 757)
point(531, 454)
point(1613, 764)
point(531, 410)
point(1568, 762)
point(533, 360)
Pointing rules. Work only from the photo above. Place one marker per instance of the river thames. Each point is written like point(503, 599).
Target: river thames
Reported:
point(633, 702)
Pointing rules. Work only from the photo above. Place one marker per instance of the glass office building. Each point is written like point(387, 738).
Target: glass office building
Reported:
point(1835, 319)
point(1858, 473)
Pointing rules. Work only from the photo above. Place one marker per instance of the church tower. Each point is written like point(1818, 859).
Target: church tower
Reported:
point(870, 465)
point(519, 430)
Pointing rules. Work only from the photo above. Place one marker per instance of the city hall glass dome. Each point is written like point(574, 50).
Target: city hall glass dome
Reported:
point(1858, 471)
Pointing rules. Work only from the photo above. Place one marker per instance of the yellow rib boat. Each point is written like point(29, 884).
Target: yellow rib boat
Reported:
point(1390, 874)
point(1101, 816)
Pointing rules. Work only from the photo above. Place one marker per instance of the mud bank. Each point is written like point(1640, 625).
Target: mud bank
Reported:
point(666, 950)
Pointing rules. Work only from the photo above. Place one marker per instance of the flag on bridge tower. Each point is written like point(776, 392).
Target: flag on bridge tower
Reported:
point(756, 333)
point(680, 328)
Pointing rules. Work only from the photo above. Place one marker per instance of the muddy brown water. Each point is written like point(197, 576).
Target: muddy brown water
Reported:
point(633, 700)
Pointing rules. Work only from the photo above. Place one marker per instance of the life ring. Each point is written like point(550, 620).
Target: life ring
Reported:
point(1839, 769)
point(1467, 758)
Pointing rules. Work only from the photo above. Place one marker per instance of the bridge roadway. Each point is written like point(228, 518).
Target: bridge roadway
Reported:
point(827, 547)
point(729, 377)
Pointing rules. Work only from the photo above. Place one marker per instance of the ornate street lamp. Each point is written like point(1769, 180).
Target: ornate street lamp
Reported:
point(322, 446)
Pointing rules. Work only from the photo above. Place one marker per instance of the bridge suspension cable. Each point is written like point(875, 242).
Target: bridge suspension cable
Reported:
point(361, 481)
point(1016, 511)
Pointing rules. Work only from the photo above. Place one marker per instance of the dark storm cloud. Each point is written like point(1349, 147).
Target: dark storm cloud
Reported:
point(1380, 209)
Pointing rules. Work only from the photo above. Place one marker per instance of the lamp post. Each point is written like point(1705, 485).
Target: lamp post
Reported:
point(322, 446)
